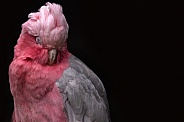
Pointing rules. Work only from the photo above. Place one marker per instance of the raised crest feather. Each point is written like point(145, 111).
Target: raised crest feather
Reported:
point(48, 22)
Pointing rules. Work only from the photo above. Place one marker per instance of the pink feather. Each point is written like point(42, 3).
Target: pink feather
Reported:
point(49, 23)
point(32, 81)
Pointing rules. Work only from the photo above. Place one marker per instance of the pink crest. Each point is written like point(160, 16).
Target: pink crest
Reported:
point(49, 23)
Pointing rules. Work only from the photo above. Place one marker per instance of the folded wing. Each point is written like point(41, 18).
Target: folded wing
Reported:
point(84, 94)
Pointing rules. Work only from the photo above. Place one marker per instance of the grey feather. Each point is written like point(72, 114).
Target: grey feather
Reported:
point(84, 95)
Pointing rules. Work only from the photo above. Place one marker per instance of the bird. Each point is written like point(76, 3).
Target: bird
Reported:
point(47, 82)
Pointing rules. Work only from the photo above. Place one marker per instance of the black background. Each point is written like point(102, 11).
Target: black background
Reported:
point(135, 48)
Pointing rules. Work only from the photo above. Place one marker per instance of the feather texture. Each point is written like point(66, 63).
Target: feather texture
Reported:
point(49, 23)
point(84, 94)
point(67, 90)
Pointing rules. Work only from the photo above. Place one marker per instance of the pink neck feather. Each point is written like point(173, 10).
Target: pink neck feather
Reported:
point(32, 82)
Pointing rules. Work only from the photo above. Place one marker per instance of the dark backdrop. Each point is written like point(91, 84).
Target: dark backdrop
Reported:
point(135, 48)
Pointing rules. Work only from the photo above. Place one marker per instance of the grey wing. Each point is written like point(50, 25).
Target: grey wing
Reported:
point(83, 93)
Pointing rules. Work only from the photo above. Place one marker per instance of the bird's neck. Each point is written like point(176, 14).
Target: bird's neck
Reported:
point(27, 49)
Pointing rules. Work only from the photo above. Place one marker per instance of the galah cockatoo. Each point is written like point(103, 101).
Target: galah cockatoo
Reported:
point(47, 82)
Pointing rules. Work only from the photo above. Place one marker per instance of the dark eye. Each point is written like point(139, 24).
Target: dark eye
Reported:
point(38, 40)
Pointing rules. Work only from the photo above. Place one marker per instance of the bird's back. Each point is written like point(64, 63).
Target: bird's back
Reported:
point(84, 95)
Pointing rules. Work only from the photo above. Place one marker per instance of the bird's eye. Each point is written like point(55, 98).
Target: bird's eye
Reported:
point(38, 40)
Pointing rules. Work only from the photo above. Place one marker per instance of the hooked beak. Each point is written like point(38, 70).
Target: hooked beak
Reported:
point(52, 56)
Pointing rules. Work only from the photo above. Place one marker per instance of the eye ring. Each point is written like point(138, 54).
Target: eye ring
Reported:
point(38, 40)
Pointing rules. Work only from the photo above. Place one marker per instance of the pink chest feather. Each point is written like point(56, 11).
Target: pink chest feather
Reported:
point(36, 97)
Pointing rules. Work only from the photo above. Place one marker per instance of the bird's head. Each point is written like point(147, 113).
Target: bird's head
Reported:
point(49, 27)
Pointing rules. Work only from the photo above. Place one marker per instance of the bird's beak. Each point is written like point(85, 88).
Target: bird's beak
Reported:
point(52, 56)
